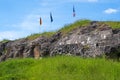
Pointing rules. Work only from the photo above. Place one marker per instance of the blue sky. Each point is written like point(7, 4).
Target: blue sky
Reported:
point(20, 18)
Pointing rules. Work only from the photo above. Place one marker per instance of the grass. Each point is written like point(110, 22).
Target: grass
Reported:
point(113, 24)
point(60, 68)
point(67, 28)
point(4, 41)
point(34, 36)
point(70, 27)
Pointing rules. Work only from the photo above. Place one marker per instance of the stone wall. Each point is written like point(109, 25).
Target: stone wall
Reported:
point(89, 41)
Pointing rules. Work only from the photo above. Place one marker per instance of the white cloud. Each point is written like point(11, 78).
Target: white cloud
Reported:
point(110, 11)
point(30, 22)
point(11, 35)
point(29, 25)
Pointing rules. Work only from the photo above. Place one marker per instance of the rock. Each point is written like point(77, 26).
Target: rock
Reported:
point(96, 39)
point(37, 52)
point(90, 41)
point(3, 58)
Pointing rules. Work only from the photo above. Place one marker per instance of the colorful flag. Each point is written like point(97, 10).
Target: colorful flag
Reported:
point(51, 18)
point(74, 12)
point(40, 21)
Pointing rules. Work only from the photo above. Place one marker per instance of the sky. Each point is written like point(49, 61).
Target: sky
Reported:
point(20, 18)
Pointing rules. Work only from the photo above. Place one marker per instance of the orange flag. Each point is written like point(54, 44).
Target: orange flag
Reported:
point(40, 21)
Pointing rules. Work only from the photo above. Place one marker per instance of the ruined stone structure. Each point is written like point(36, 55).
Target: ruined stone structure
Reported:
point(96, 39)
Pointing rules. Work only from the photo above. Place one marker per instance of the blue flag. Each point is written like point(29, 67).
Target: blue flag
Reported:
point(51, 18)
point(74, 12)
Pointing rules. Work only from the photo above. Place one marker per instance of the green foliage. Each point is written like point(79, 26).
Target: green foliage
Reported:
point(15, 69)
point(70, 27)
point(5, 40)
point(34, 36)
point(64, 30)
point(67, 28)
point(113, 24)
point(60, 68)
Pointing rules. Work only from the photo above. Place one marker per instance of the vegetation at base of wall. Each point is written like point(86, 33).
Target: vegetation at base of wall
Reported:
point(60, 68)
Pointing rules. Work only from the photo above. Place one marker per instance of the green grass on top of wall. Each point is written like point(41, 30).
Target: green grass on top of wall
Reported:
point(34, 36)
point(113, 24)
point(67, 28)
point(70, 27)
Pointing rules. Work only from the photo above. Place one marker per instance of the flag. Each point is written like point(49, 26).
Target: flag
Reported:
point(51, 18)
point(74, 12)
point(40, 21)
